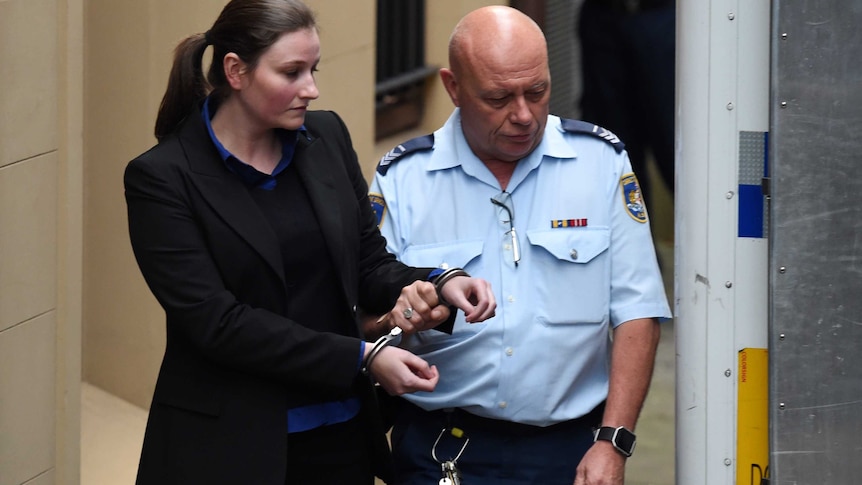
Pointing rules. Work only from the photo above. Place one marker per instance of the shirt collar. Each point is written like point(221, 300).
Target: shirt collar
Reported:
point(250, 176)
point(451, 148)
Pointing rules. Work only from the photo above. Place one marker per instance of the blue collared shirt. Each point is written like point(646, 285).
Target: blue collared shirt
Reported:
point(248, 174)
point(587, 264)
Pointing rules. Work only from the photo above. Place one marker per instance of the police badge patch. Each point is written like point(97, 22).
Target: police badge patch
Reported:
point(632, 197)
point(378, 205)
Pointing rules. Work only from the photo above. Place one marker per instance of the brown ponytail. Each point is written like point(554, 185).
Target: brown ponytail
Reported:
point(186, 85)
point(244, 27)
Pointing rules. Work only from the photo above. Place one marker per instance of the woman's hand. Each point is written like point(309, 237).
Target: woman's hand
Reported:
point(400, 372)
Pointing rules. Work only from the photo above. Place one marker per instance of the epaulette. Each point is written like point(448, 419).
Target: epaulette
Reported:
point(578, 126)
point(413, 145)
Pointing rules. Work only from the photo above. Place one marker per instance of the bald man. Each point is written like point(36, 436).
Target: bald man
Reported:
point(549, 211)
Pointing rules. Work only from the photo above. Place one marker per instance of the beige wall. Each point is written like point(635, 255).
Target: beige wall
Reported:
point(40, 240)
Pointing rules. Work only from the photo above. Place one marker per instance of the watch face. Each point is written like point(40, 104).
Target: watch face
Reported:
point(624, 440)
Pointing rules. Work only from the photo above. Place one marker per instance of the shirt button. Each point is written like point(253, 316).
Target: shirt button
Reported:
point(511, 299)
point(502, 404)
point(574, 254)
point(510, 351)
point(444, 265)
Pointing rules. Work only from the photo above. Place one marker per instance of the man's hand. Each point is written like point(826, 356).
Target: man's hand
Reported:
point(473, 296)
point(601, 465)
point(418, 307)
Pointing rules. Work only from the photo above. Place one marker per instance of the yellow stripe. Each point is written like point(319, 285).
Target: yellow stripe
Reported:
point(752, 417)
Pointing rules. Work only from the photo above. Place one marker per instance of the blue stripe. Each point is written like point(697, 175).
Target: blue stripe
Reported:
point(750, 211)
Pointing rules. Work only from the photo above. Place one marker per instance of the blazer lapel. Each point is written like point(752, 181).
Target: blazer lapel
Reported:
point(227, 195)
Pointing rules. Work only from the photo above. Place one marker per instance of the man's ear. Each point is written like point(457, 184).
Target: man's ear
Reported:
point(450, 83)
point(234, 69)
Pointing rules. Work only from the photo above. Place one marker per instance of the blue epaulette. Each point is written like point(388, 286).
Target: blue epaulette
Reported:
point(416, 144)
point(578, 126)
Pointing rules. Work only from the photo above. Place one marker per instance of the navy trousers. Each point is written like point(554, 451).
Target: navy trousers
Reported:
point(498, 453)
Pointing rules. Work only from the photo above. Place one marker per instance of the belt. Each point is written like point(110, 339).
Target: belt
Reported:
point(631, 6)
point(457, 417)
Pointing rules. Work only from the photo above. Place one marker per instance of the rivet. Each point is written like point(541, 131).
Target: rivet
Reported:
point(728, 284)
point(730, 106)
point(731, 16)
point(784, 36)
point(727, 462)
point(782, 270)
point(783, 104)
point(781, 337)
point(727, 373)
point(729, 195)
point(781, 405)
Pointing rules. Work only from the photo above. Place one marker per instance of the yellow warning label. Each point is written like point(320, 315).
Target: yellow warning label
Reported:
point(752, 425)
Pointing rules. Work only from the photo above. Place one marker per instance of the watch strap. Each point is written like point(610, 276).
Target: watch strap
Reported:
point(621, 438)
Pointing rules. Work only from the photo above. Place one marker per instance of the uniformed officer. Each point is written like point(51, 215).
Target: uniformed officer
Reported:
point(549, 211)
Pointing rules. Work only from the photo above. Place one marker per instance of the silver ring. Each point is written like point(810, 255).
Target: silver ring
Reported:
point(408, 313)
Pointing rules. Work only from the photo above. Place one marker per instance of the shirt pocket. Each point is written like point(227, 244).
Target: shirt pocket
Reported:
point(572, 284)
point(449, 254)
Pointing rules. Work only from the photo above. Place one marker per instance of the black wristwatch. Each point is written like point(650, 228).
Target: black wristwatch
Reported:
point(622, 439)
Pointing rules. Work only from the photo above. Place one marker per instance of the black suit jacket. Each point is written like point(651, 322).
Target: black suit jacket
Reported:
point(233, 364)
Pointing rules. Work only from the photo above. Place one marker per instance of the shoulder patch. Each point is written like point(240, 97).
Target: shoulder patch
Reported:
point(416, 144)
point(632, 197)
point(378, 205)
point(583, 127)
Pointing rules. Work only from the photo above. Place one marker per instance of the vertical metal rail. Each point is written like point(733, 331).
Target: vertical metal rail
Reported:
point(721, 283)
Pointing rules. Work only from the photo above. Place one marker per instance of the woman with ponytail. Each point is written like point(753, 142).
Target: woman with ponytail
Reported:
point(251, 224)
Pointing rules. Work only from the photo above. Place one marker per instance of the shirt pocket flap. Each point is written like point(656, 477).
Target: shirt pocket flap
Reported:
point(576, 246)
point(449, 254)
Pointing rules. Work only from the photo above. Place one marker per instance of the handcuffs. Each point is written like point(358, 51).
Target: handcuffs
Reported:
point(391, 338)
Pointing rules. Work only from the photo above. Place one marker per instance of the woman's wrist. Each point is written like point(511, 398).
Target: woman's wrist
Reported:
point(391, 338)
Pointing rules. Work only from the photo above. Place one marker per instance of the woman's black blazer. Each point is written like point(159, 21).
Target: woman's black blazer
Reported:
point(233, 364)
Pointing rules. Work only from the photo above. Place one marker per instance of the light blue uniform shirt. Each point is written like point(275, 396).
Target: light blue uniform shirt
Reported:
point(587, 263)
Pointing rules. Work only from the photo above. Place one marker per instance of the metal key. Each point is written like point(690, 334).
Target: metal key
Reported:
point(450, 474)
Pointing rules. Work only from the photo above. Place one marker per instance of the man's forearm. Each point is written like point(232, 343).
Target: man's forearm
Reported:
point(632, 361)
